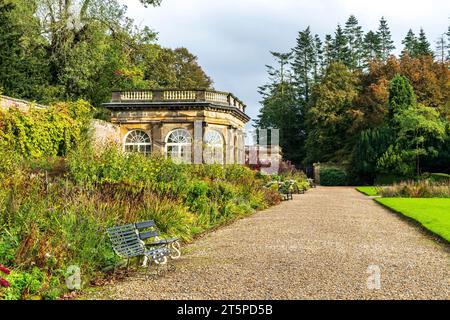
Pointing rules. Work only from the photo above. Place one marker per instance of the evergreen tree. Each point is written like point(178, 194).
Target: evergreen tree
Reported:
point(372, 47)
point(340, 47)
point(280, 109)
point(354, 34)
point(371, 145)
point(328, 51)
point(386, 42)
point(401, 95)
point(319, 58)
point(304, 63)
point(423, 46)
point(410, 44)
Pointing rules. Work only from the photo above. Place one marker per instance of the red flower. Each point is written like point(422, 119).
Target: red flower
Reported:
point(4, 269)
point(4, 283)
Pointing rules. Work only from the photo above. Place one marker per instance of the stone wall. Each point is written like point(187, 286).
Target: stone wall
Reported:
point(105, 133)
point(8, 102)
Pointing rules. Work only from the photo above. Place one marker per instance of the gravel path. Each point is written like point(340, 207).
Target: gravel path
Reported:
point(318, 246)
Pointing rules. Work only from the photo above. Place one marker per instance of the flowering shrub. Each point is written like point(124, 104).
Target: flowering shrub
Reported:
point(5, 271)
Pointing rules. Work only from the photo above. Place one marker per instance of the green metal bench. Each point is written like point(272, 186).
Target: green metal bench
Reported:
point(147, 231)
point(127, 244)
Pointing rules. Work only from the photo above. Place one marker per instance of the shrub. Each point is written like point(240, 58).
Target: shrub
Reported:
point(388, 179)
point(330, 176)
point(440, 177)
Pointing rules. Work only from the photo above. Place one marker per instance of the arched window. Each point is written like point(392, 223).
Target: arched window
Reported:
point(213, 150)
point(179, 145)
point(138, 141)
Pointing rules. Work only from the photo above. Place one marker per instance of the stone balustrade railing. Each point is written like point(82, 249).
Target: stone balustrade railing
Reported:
point(216, 97)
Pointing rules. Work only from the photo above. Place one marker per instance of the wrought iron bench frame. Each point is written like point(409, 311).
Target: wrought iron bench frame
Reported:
point(148, 230)
point(127, 244)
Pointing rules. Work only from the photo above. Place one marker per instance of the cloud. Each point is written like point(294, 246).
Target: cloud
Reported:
point(232, 38)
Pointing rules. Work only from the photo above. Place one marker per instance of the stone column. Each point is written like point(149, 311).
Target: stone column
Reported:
point(158, 139)
point(229, 145)
point(198, 142)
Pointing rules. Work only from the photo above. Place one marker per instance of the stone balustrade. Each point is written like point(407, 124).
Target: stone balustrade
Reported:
point(215, 97)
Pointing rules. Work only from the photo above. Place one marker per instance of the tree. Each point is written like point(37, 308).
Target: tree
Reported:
point(71, 49)
point(371, 145)
point(23, 65)
point(328, 51)
point(410, 44)
point(10, 49)
point(401, 96)
point(340, 47)
point(423, 46)
point(304, 63)
point(330, 116)
point(418, 125)
point(354, 34)
point(188, 72)
point(372, 47)
point(441, 45)
point(318, 58)
point(386, 42)
point(280, 108)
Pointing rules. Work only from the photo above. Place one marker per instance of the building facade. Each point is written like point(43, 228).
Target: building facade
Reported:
point(192, 126)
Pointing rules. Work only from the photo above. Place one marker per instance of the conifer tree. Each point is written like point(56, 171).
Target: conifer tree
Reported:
point(386, 42)
point(319, 59)
point(354, 34)
point(410, 44)
point(280, 108)
point(401, 95)
point(328, 50)
point(340, 46)
point(304, 62)
point(372, 47)
point(423, 46)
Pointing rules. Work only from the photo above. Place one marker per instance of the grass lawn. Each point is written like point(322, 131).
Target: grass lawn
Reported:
point(432, 213)
point(368, 191)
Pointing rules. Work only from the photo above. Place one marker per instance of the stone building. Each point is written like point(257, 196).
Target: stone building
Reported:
point(193, 126)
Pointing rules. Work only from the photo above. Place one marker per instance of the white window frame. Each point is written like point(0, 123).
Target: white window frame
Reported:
point(185, 157)
point(214, 147)
point(138, 144)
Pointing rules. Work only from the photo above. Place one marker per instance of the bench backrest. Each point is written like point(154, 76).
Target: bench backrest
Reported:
point(151, 233)
point(125, 241)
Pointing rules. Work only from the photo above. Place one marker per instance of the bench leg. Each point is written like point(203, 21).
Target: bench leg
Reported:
point(176, 250)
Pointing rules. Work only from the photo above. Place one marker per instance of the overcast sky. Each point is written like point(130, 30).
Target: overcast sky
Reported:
point(232, 38)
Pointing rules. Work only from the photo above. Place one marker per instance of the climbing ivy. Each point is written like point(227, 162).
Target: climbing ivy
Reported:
point(45, 132)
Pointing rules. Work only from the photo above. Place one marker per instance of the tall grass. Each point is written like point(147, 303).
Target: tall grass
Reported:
point(417, 189)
